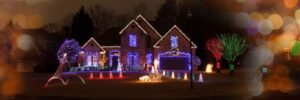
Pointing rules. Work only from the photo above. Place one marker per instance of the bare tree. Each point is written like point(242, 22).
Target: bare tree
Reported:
point(101, 17)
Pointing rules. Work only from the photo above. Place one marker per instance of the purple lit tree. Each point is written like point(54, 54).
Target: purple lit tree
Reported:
point(71, 48)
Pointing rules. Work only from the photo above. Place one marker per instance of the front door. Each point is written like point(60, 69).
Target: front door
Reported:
point(115, 61)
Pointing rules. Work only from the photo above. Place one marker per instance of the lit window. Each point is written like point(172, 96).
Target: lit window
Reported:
point(149, 58)
point(174, 41)
point(132, 40)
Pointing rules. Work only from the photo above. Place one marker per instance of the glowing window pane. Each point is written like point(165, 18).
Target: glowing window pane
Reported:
point(149, 58)
point(174, 41)
point(132, 40)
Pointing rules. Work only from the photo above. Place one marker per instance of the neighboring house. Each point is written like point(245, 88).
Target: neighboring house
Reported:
point(140, 44)
point(32, 49)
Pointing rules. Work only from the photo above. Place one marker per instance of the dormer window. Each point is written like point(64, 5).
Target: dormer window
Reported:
point(174, 41)
point(132, 40)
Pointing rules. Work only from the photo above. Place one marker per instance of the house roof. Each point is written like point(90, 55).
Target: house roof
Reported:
point(174, 28)
point(92, 39)
point(140, 16)
point(132, 22)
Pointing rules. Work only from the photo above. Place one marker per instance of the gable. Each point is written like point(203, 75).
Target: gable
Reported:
point(174, 31)
point(131, 24)
point(145, 24)
point(93, 46)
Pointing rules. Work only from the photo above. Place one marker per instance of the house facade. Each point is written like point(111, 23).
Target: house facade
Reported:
point(140, 45)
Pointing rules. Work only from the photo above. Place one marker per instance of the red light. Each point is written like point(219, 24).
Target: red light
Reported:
point(100, 75)
point(91, 76)
point(111, 75)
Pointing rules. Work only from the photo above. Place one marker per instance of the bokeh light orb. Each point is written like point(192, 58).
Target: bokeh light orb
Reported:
point(24, 42)
point(295, 51)
point(241, 19)
point(256, 16)
point(240, 1)
point(21, 20)
point(265, 27)
point(255, 88)
point(290, 3)
point(287, 20)
point(272, 83)
point(35, 21)
point(285, 85)
point(297, 16)
point(286, 40)
point(276, 20)
point(252, 27)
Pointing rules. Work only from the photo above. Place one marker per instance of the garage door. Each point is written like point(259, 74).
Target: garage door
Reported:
point(174, 63)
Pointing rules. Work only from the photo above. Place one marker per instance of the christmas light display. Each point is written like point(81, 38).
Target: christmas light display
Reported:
point(152, 77)
point(58, 74)
point(120, 74)
point(185, 76)
point(167, 74)
point(111, 76)
point(71, 48)
point(132, 40)
point(149, 59)
point(100, 75)
point(209, 68)
point(200, 78)
point(173, 75)
point(91, 76)
point(233, 47)
point(178, 76)
point(174, 41)
point(215, 46)
point(164, 73)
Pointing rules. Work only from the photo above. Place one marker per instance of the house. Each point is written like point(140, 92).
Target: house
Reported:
point(30, 49)
point(140, 45)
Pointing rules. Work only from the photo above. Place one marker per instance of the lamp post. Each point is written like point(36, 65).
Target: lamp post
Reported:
point(189, 14)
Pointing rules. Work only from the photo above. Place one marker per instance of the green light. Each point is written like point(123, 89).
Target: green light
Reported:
point(295, 51)
point(233, 46)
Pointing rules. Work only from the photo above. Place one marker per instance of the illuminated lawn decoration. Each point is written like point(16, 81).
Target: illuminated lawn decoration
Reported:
point(178, 76)
point(185, 76)
point(153, 77)
point(100, 75)
point(120, 74)
point(200, 78)
point(111, 76)
point(91, 76)
point(58, 74)
point(167, 74)
point(215, 47)
point(173, 75)
point(164, 73)
point(209, 68)
point(233, 47)
point(119, 67)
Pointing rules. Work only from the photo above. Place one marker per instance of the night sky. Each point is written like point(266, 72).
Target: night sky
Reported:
point(35, 13)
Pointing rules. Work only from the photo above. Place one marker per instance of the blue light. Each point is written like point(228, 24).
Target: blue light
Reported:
point(180, 55)
point(174, 41)
point(132, 40)
point(149, 58)
point(132, 59)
